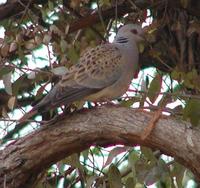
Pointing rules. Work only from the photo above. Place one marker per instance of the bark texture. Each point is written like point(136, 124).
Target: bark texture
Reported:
point(24, 159)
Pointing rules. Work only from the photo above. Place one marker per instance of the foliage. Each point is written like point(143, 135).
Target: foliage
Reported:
point(44, 40)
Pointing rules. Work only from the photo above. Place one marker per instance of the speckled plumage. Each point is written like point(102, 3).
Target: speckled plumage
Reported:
point(97, 67)
point(102, 73)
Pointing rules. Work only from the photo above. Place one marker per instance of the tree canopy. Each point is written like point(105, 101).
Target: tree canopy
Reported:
point(148, 136)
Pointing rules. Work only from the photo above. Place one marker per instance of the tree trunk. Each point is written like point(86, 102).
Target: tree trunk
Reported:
point(22, 160)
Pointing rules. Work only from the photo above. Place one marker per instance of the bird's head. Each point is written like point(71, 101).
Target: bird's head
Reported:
point(131, 32)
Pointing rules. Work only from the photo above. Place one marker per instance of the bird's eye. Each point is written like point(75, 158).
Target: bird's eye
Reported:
point(134, 31)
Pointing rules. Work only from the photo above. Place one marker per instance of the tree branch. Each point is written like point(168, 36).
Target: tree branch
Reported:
point(23, 160)
point(13, 7)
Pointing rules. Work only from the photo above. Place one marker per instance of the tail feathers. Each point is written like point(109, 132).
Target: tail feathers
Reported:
point(28, 115)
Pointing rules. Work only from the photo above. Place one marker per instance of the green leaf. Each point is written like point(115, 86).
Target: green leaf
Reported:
point(41, 59)
point(190, 79)
point(7, 82)
point(184, 3)
point(130, 102)
point(114, 177)
point(50, 5)
point(113, 153)
point(59, 71)
point(166, 181)
point(61, 167)
point(192, 74)
point(141, 46)
point(133, 157)
point(72, 55)
point(17, 84)
point(105, 2)
point(156, 172)
point(73, 160)
point(63, 45)
point(85, 154)
point(90, 181)
point(22, 57)
point(96, 151)
point(11, 102)
point(130, 183)
point(154, 88)
point(152, 176)
point(192, 111)
point(5, 70)
point(44, 14)
point(147, 152)
point(187, 176)
point(177, 171)
point(142, 169)
point(40, 184)
point(176, 75)
point(140, 185)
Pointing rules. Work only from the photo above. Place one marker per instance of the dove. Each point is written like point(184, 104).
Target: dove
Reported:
point(103, 73)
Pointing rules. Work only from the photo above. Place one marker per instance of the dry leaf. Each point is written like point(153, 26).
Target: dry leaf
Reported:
point(13, 47)
point(59, 70)
point(4, 50)
point(7, 82)
point(11, 102)
point(4, 113)
point(31, 75)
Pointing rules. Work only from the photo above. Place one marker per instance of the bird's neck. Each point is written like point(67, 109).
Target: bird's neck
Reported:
point(121, 40)
point(128, 47)
point(125, 41)
point(125, 44)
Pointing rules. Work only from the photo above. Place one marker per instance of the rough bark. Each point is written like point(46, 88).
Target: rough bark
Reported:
point(24, 159)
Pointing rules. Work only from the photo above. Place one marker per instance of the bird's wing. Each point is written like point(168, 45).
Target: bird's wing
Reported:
point(97, 69)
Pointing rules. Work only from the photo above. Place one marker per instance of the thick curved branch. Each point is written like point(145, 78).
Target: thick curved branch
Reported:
point(23, 160)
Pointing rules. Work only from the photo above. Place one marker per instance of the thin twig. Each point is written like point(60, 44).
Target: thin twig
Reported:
point(116, 15)
point(100, 16)
point(26, 9)
point(27, 69)
point(4, 183)
point(49, 56)
point(75, 13)
point(147, 131)
point(16, 120)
